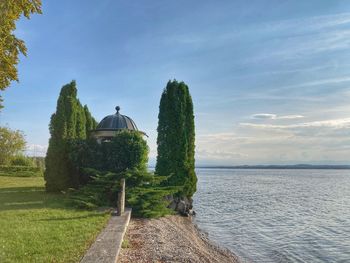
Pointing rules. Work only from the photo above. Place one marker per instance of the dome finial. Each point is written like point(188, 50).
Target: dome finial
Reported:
point(117, 109)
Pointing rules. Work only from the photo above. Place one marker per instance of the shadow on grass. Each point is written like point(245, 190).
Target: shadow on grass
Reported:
point(27, 198)
point(18, 198)
point(72, 218)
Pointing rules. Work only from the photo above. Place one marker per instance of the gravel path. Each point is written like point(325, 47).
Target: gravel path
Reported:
point(170, 239)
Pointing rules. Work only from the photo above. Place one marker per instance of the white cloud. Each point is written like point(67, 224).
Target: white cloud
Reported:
point(311, 23)
point(250, 143)
point(264, 116)
point(328, 81)
point(36, 150)
point(270, 116)
point(336, 123)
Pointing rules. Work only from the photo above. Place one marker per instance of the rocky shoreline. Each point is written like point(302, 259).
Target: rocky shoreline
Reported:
point(170, 239)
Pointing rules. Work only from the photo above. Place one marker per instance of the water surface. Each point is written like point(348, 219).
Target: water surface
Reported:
point(277, 215)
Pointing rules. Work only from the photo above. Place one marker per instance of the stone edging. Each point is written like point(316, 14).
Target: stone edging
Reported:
point(108, 243)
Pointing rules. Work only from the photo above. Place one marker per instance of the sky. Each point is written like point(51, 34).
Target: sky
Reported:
point(270, 80)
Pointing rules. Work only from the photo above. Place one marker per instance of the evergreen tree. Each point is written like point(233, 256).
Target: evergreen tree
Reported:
point(80, 126)
point(68, 123)
point(91, 123)
point(176, 138)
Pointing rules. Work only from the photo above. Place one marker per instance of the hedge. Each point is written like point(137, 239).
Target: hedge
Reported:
point(20, 171)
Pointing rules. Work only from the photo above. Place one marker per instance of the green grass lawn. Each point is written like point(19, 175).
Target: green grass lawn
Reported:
point(39, 227)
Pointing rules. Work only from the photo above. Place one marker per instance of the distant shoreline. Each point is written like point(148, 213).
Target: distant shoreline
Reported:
point(294, 167)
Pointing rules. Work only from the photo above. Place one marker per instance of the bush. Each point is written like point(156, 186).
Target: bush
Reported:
point(21, 160)
point(127, 150)
point(20, 171)
point(101, 166)
point(143, 192)
point(39, 162)
point(12, 142)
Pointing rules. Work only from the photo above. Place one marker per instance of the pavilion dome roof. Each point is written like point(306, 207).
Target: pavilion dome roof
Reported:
point(116, 122)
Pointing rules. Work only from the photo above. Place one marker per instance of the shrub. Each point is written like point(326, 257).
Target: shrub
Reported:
point(101, 166)
point(39, 162)
point(20, 171)
point(12, 142)
point(143, 192)
point(21, 160)
point(127, 150)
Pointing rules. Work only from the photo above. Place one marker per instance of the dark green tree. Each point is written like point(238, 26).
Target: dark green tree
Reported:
point(67, 123)
point(91, 123)
point(80, 122)
point(176, 138)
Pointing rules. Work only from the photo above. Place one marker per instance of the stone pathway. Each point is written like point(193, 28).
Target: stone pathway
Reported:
point(108, 243)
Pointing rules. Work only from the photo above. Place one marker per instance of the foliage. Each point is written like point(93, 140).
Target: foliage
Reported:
point(10, 45)
point(143, 192)
point(38, 162)
point(127, 150)
point(91, 123)
point(150, 201)
point(12, 142)
point(37, 226)
point(101, 190)
point(125, 243)
point(20, 171)
point(102, 166)
point(145, 195)
point(67, 123)
point(22, 160)
point(176, 138)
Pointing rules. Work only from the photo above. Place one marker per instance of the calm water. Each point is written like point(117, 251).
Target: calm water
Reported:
point(277, 215)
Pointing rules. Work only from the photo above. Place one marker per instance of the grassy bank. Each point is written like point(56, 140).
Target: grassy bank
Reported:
point(40, 227)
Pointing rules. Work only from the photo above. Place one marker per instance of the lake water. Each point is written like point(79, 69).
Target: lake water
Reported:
point(276, 215)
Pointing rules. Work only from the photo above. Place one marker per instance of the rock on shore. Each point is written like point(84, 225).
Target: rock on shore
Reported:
point(170, 239)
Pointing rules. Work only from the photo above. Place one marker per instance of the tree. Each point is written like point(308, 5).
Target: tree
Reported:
point(10, 45)
point(127, 150)
point(12, 143)
point(67, 123)
point(91, 123)
point(176, 138)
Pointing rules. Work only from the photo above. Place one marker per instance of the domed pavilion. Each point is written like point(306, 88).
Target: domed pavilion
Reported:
point(112, 124)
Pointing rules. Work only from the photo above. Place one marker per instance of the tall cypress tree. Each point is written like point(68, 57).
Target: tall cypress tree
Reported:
point(67, 123)
point(91, 123)
point(80, 125)
point(176, 138)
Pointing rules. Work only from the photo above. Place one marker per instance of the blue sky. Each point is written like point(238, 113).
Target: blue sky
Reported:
point(269, 79)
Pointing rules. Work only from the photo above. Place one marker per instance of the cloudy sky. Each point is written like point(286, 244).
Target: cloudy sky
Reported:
point(270, 80)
